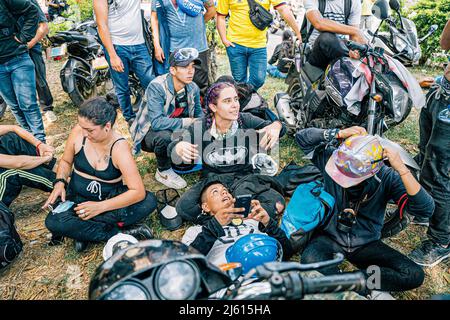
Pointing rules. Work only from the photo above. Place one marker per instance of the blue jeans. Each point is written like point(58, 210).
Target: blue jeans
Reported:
point(135, 59)
point(18, 89)
point(274, 72)
point(254, 59)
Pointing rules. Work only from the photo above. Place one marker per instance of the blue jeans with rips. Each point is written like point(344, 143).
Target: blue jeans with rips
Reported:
point(18, 89)
point(248, 64)
point(135, 59)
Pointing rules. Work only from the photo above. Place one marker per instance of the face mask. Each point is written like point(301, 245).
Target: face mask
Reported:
point(357, 191)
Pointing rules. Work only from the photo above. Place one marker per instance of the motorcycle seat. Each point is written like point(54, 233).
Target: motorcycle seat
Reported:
point(313, 73)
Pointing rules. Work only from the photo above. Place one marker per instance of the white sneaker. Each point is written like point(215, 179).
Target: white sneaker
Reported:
point(170, 179)
point(50, 116)
point(380, 295)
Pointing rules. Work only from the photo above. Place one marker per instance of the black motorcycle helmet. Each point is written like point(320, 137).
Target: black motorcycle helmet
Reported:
point(156, 270)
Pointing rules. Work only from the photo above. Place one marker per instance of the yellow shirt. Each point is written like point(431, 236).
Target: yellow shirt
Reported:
point(240, 29)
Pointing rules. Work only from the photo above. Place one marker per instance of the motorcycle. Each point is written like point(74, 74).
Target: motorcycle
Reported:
point(277, 23)
point(86, 67)
point(401, 41)
point(170, 270)
point(313, 100)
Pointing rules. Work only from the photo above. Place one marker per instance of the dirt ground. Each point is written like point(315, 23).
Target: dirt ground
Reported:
point(58, 272)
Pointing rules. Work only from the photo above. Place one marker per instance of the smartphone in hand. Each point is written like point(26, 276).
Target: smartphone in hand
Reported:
point(244, 201)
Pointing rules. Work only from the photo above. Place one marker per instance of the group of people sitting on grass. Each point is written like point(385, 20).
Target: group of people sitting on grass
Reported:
point(97, 191)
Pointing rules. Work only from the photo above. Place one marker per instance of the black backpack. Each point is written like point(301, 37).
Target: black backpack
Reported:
point(307, 33)
point(10, 243)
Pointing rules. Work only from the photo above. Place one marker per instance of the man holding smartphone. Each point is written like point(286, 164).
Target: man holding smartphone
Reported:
point(228, 223)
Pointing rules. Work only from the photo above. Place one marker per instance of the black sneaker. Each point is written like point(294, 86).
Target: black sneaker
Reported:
point(429, 254)
point(421, 221)
point(139, 231)
point(80, 246)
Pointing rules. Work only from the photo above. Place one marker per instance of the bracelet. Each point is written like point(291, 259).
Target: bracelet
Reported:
point(37, 148)
point(60, 180)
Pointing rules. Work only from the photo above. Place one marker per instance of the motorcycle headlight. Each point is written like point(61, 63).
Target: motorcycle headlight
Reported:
point(400, 101)
point(400, 43)
point(178, 280)
point(128, 290)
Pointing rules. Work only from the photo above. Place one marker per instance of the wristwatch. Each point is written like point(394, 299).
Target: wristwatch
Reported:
point(60, 180)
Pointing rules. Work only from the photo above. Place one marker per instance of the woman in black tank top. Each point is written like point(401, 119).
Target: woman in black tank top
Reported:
point(105, 185)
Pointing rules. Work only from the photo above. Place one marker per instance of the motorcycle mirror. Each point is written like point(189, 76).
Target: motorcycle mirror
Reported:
point(404, 155)
point(380, 9)
point(433, 28)
point(233, 270)
point(394, 4)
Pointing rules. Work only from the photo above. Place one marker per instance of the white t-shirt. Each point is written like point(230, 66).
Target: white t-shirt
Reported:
point(334, 10)
point(125, 22)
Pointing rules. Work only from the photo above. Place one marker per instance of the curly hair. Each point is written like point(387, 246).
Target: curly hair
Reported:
point(212, 97)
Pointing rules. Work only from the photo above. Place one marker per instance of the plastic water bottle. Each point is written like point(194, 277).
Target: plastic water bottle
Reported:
point(444, 115)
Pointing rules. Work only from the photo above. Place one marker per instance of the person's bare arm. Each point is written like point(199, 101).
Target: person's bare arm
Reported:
point(22, 162)
point(101, 14)
point(64, 167)
point(41, 32)
point(210, 10)
point(326, 25)
point(24, 134)
point(445, 37)
point(44, 149)
point(222, 29)
point(286, 13)
point(159, 53)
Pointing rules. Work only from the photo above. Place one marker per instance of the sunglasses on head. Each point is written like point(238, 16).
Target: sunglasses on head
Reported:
point(186, 54)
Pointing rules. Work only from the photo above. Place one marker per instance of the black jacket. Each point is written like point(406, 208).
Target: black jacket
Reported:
point(384, 186)
point(10, 12)
point(283, 66)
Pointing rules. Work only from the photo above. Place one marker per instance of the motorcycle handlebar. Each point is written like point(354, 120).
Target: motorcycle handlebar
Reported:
point(335, 283)
point(292, 286)
point(362, 48)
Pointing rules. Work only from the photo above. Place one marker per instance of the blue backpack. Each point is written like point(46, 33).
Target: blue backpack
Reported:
point(310, 207)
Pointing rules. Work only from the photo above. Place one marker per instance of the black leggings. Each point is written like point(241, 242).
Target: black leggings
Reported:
point(398, 273)
point(101, 227)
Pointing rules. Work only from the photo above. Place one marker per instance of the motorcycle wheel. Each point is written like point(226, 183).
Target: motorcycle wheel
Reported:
point(294, 88)
point(82, 91)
